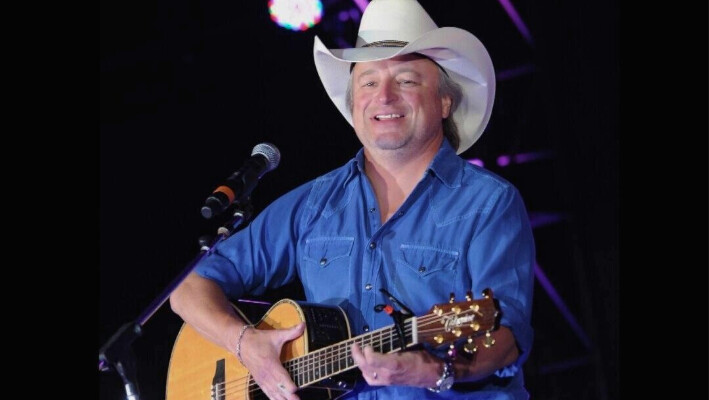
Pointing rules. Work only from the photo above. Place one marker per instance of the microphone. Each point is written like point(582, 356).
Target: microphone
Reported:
point(237, 187)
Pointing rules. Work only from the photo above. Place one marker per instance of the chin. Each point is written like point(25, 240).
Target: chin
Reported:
point(389, 142)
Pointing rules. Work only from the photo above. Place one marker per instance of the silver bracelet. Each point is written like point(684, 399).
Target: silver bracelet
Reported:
point(238, 341)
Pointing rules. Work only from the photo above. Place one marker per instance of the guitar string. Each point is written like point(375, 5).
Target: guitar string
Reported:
point(199, 367)
point(372, 338)
point(254, 388)
point(296, 368)
point(307, 365)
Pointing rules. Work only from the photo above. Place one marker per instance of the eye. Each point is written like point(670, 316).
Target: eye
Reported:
point(407, 82)
point(368, 84)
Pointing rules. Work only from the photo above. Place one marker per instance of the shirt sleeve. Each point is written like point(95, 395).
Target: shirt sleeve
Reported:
point(501, 258)
point(259, 257)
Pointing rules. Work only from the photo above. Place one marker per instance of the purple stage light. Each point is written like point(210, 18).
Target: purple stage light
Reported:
point(503, 160)
point(517, 20)
point(514, 72)
point(539, 219)
point(477, 161)
point(554, 296)
point(362, 4)
point(253, 301)
point(521, 158)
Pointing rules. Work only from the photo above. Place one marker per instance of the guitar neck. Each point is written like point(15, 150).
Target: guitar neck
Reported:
point(337, 358)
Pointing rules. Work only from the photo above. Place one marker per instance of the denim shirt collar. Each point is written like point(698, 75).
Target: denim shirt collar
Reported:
point(445, 166)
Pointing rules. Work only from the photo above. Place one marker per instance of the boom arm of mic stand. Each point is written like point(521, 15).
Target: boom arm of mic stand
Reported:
point(117, 354)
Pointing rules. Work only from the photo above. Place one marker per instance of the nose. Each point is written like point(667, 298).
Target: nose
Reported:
point(387, 92)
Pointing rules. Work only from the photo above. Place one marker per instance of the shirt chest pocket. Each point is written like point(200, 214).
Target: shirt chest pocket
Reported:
point(427, 261)
point(326, 264)
point(327, 252)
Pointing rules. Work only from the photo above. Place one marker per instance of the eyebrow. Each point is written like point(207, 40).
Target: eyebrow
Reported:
point(397, 72)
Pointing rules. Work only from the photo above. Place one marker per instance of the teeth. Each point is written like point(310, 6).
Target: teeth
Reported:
point(387, 116)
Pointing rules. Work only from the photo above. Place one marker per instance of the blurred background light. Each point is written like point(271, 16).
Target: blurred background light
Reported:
point(296, 15)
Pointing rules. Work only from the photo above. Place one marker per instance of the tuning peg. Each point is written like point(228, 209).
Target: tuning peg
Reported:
point(487, 293)
point(469, 295)
point(470, 346)
point(451, 298)
point(489, 340)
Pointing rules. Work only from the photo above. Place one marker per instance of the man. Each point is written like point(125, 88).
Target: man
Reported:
point(407, 215)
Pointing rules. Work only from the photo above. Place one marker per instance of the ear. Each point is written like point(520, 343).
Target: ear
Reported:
point(445, 106)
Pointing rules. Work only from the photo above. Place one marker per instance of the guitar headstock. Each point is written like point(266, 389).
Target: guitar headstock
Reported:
point(448, 322)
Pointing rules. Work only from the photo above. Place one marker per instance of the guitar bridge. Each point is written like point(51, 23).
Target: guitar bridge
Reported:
point(218, 392)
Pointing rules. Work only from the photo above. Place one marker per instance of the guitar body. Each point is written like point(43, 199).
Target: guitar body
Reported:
point(201, 370)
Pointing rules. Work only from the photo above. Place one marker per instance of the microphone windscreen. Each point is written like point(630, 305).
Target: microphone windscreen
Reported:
point(268, 150)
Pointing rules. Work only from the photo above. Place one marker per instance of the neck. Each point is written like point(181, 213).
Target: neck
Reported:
point(394, 175)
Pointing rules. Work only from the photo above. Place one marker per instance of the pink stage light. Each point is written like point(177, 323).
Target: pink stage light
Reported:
point(477, 161)
point(521, 158)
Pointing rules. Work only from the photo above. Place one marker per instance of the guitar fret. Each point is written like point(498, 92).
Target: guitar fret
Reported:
point(322, 362)
point(328, 364)
point(391, 340)
point(337, 358)
point(342, 357)
point(309, 367)
point(314, 367)
point(337, 351)
point(301, 370)
point(296, 376)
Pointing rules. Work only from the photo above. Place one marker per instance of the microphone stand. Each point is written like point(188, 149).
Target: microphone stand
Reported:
point(116, 354)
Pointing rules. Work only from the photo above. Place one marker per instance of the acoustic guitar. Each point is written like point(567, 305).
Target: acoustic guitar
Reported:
point(319, 361)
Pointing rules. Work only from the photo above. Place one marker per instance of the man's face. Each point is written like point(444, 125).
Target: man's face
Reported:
point(396, 104)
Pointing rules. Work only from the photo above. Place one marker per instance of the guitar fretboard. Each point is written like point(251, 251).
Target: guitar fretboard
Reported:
point(335, 359)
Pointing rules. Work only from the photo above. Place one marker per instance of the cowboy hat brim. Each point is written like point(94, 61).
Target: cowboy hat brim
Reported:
point(459, 52)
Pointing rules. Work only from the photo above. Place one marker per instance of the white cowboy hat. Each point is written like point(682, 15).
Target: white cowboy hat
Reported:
point(390, 28)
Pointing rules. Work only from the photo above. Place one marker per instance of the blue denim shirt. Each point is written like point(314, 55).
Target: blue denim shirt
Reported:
point(462, 229)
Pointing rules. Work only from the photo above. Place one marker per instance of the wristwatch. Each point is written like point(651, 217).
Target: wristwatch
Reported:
point(446, 380)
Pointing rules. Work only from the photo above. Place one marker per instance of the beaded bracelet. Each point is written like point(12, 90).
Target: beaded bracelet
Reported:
point(238, 341)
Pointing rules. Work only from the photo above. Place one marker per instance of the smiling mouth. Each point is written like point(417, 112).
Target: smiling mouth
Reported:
point(387, 117)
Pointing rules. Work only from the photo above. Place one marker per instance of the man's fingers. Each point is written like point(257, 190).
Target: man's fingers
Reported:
point(357, 355)
point(361, 358)
point(369, 353)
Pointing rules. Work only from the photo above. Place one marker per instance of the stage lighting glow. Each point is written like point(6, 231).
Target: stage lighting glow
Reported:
point(477, 161)
point(297, 15)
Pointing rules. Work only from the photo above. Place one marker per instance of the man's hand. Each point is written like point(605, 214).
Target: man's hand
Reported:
point(261, 352)
point(409, 368)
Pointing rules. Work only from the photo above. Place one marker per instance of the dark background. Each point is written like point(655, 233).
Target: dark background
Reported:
point(188, 88)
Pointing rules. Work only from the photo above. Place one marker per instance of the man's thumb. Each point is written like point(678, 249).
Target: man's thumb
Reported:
point(294, 331)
